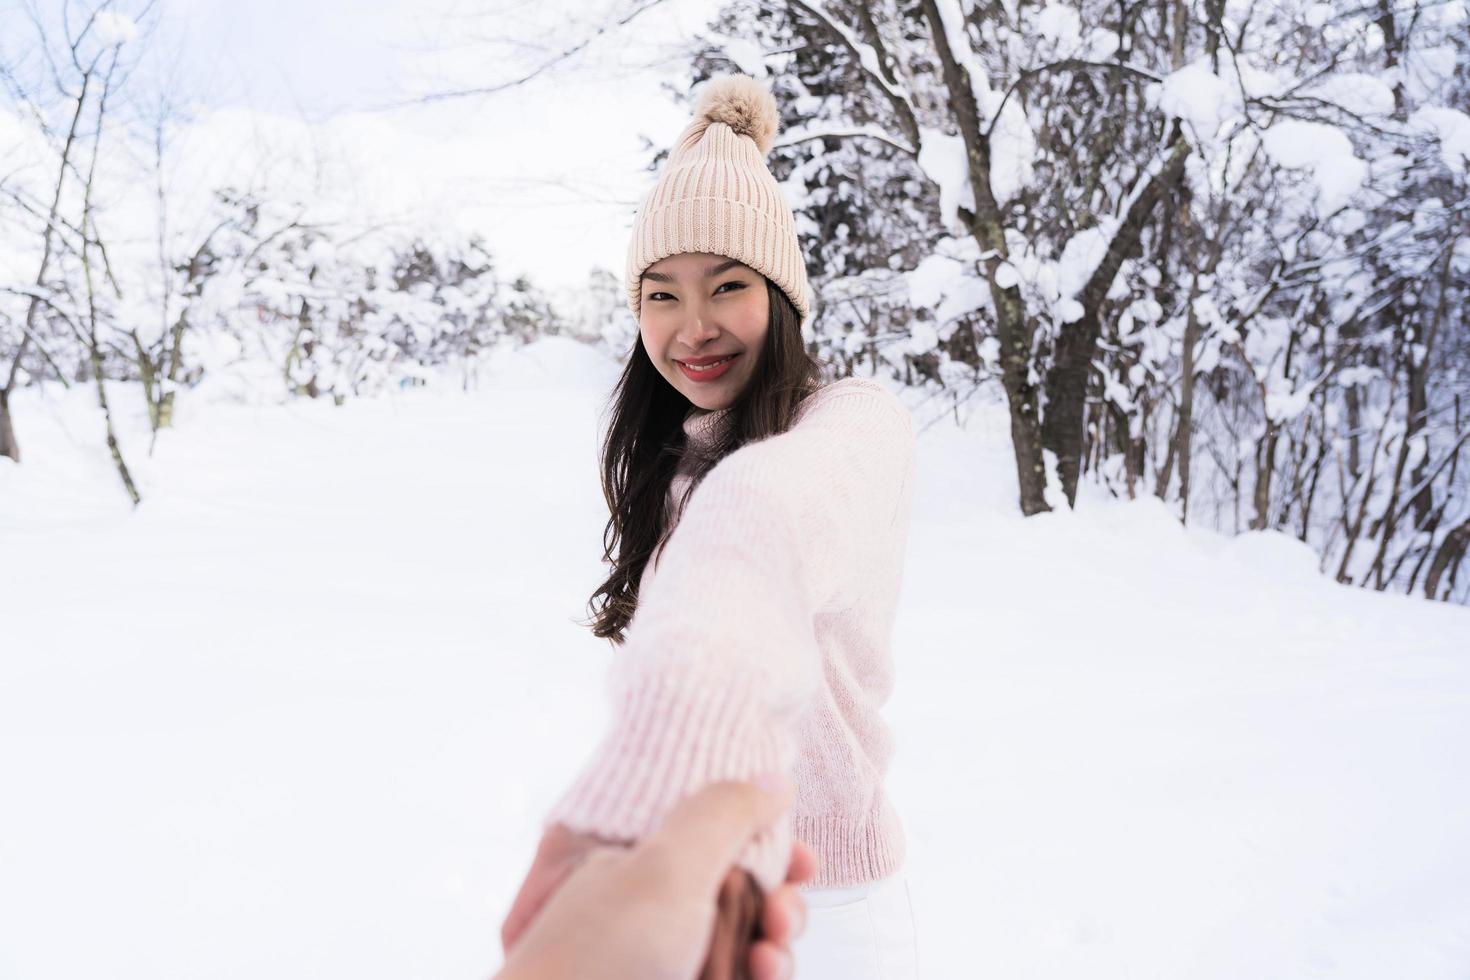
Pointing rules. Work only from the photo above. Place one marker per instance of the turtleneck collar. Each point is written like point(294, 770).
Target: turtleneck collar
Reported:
point(702, 427)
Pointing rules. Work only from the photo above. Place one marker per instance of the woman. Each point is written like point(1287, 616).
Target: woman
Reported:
point(758, 527)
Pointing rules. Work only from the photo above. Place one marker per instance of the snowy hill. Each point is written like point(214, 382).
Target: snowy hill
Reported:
point(298, 715)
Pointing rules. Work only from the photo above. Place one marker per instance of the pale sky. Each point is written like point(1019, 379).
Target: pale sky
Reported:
point(549, 171)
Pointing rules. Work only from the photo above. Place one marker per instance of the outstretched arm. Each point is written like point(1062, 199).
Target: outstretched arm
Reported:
point(722, 654)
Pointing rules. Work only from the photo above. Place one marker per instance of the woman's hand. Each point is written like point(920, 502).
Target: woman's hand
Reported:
point(783, 918)
point(559, 852)
point(648, 912)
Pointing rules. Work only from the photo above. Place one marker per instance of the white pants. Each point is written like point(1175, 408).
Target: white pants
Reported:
point(861, 933)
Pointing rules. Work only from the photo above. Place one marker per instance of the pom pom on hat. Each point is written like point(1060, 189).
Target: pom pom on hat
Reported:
point(743, 104)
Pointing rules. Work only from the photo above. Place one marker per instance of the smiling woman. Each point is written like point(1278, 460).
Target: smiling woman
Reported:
point(758, 523)
point(704, 323)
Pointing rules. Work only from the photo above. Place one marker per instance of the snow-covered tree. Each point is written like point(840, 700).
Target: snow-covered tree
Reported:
point(1194, 242)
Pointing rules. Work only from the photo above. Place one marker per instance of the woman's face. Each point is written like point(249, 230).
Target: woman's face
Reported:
point(698, 308)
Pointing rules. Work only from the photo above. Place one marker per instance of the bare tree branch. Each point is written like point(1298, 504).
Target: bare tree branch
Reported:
point(550, 63)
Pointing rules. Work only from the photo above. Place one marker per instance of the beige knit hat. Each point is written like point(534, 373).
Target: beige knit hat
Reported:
point(715, 194)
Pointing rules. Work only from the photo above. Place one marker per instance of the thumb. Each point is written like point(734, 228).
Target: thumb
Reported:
point(704, 833)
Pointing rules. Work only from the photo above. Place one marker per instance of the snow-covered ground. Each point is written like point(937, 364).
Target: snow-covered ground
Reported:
point(298, 715)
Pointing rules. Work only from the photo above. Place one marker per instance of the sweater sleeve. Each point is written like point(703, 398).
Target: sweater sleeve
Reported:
point(721, 655)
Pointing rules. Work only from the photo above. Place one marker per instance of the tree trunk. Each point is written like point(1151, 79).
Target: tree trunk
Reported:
point(175, 358)
point(8, 445)
point(1447, 562)
point(1026, 437)
point(1025, 408)
point(95, 356)
point(94, 347)
point(1423, 501)
point(1311, 495)
point(1184, 436)
point(1013, 327)
point(1354, 528)
point(1165, 474)
point(1265, 466)
point(1417, 372)
point(1066, 383)
point(1354, 420)
point(1066, 399)
point(148, 377)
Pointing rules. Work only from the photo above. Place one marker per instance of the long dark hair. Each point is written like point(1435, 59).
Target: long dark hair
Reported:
point(645, 443)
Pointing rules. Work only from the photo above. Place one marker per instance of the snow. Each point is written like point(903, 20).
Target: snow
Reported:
point(1358, 93)
point(943, 159)
point(1070, 311)
point(1059, 26)
point(1283, 406)
point(1082, 254)
point(1012, 145)
point(990, 353)
point(1358, 374)
point(747, 55)
point(299, 714)
point(1198, 96)
point(1452, 128)
point(1317, 14)
point(923, 338)
point(1102, 44)
point(1427, 69)
point(1324, 151)
point(1006, 276)
point(945, 281)
point(113, 28)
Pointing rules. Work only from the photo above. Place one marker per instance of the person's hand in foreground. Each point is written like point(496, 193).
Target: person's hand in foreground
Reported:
point(648, 912)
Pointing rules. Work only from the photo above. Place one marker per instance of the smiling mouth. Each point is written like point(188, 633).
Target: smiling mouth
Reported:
point(705, 365)
point(707, 372)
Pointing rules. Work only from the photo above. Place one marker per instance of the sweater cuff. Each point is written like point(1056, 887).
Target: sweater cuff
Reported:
point(672, 734)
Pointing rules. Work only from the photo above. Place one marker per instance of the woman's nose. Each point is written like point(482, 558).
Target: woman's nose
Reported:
point(697, 328)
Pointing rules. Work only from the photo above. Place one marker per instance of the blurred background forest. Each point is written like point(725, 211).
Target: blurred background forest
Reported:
point(1213, 251)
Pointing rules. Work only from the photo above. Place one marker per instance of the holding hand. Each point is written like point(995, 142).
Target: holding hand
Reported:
point(648, 912)
point(558, 855)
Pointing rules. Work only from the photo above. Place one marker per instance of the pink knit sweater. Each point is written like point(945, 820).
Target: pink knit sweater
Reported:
point(762, 640)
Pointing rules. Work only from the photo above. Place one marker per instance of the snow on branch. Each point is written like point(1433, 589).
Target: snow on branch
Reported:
point(864, 52)
point(867, 57)
point(795, 136)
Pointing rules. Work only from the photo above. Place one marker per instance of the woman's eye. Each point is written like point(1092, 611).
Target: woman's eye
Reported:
point(735, 285)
